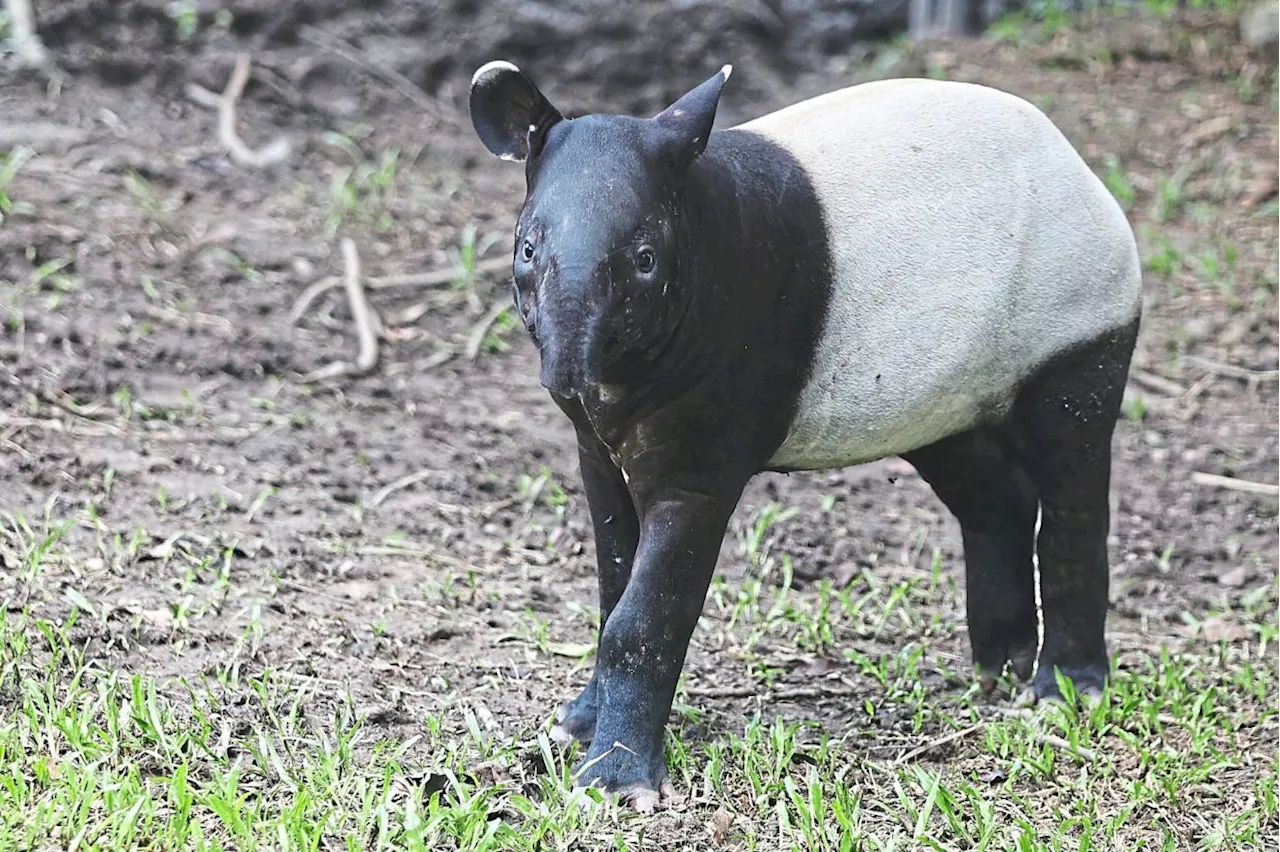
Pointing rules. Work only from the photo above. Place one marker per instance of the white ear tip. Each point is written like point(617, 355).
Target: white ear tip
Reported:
point(726, 71)
point(492, 67)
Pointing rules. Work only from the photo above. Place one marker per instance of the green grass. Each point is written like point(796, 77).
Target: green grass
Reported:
point(1181, 754)
point(93, 757)
point(10, 164)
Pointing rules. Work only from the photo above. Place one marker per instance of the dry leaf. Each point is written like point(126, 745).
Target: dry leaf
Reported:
point(1259, 191)
point(574, 650)
point(720, 822)
point(1221, 629)
point(820, 666)
point(161, 617)
point(1209, 131)
point(1235, 578)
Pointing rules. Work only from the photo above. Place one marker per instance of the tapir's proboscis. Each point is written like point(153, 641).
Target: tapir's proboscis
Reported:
point(909, 267)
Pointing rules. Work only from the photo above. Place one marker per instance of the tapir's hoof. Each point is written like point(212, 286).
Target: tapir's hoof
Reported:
point(1021, 657)
point(574, 721)
point(1088, 682)
point(646, 800)
point(640, 780)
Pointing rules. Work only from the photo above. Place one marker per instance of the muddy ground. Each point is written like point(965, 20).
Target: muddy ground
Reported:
point(217, 505)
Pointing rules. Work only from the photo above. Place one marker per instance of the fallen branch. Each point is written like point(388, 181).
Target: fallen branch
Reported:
point(1231, 371)
point(367, 355)
point(1232, 484)
point(476, 339)
point(716, 692)
point(362, 315)
point(933, 744)
point(101, 429)
point(433, 278)
point(1159, 384)
point(398, 485)
point(1058, 742)
point(275, 152)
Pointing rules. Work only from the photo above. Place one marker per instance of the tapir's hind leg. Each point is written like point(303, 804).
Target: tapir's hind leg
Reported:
point(1064, 418)
point(976, 477)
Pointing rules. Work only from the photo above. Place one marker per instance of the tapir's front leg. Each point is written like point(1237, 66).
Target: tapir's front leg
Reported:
point(617, 533)
point(643, 645)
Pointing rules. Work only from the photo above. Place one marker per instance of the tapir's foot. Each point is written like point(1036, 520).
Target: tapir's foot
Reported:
point(641, 782)
point(1088, 679)
point(1000, 641)
point(576, 719)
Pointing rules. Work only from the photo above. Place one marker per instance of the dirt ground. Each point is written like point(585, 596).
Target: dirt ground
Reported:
point(419, 534)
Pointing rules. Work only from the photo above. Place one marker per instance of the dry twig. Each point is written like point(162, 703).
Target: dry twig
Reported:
point(1231, 371)
point(933, 744)
point(367, 356)
point(433, 278)
point(1232, 484)
point(1159, 384)
point(1058, 742)
point(716, 692)
point(365, 321)
point(403, 482)
point(476, 339)
point(275, 152)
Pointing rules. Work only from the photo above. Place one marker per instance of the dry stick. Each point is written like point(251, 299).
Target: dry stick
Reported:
point(362, 315)
point(932, 744)
point(106, 430)
point(398, 485)
point(367, 355)
point(1231, 371)
point(275, 152)
point(722, 692)
point(1059, 742)
point(433, 278)
point(1156, 383)
point(1233, 484)
point(481, 328)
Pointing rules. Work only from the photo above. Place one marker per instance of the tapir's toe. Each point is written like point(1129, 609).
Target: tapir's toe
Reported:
point(1023, 660)
point(1088, 682)
point(991, 659)
point(575, 720)
point(646, 800)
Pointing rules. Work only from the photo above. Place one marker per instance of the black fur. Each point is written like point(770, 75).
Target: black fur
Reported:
point(703, 416)
point(1052, 452)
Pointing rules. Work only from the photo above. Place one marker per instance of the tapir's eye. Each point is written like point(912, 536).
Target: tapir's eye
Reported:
point(646, 260)
point(526, 251)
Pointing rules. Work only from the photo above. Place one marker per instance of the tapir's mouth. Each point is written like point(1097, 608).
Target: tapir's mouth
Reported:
point(570, 392)
point(565, 380)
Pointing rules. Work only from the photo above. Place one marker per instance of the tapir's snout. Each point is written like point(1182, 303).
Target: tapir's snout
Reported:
point(563, 374)
point(568, 348)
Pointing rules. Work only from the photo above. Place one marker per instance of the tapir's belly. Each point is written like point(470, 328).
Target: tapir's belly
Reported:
point(970, 244)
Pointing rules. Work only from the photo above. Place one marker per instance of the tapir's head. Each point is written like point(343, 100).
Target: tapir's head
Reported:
point(597, 249)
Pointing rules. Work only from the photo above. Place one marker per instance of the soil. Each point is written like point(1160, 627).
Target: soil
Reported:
point(154, 393)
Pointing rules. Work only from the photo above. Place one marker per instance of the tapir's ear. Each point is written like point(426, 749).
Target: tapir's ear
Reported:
point(510, 115)
point(687, 122)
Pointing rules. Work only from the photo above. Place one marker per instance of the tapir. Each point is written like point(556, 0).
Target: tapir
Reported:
point(908, 267)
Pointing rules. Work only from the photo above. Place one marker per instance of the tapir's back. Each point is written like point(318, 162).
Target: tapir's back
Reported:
point(970, 244)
